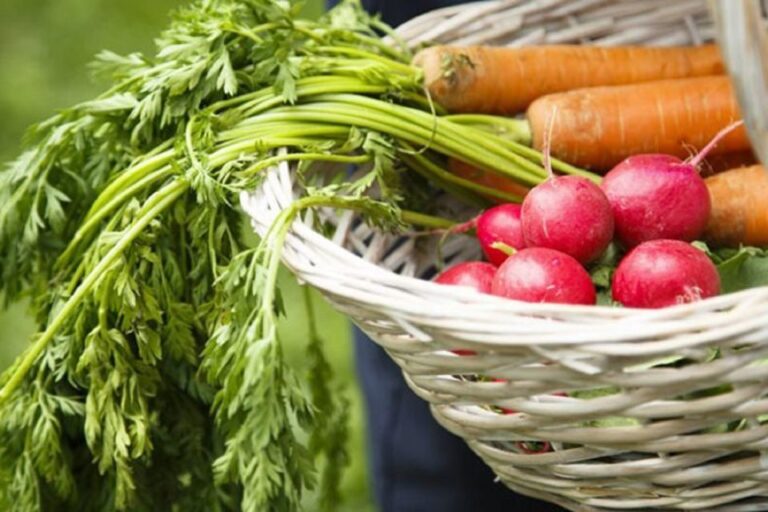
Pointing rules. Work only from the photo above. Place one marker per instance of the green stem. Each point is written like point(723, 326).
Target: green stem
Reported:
point(303, 86)
point(557, 165)
point(298, 157)
point(140, 177)
point(212, 257)
point(467, 150)
point(444, 175)
point(525, 157)
point(251, 33)
point(405, 69)
point(458, 134)
point(518, 129)
point(337, 87)
point(289, 129)
point(255, 144)
point(154, 206)
point(424, 102)
point(130, 176)
point(427, 221)
point(94, 217)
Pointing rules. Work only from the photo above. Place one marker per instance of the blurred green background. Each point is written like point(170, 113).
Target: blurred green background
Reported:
point(45, 46)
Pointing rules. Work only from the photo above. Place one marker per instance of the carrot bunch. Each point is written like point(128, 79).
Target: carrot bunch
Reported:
point(612, 103)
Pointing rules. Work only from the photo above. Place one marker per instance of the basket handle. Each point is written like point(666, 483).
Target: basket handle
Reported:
point(743, 39)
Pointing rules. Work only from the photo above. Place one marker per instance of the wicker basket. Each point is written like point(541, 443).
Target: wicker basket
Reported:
point(669, 450)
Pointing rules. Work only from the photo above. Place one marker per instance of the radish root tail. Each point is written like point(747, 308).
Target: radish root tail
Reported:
point(696, 160)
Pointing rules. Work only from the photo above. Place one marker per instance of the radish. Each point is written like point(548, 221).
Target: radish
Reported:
point(569, 214)
point(539, 274)
point(657, 197)
point(473, 274)
point(534, 447)
point(500, 224)
point(663, 273)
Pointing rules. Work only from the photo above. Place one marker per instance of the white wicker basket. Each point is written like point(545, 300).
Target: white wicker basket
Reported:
point(674, 457)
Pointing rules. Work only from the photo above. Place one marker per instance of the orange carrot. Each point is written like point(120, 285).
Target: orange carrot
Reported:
point(487, 179)
point(599, 127)
point(739, 207)
point(484, 79)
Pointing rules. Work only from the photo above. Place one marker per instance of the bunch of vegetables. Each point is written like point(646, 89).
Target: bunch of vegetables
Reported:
point(156, 380)
point(654, 204)
point(635, 113)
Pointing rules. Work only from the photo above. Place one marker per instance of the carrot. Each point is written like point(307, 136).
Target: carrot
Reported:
point(487, 179)
point(739, 207)
point(599, 127)
point(484, 79)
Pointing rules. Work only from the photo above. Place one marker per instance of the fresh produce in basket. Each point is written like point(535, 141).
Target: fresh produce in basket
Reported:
point(507, 80)
point(538, 274)
point(473, 274)
point(500, 225)
point(657, 196)
point(599, 127)
point(660, 196)
point(570, 214)
point(739, 207)
point(157, 380)
point(663, 273)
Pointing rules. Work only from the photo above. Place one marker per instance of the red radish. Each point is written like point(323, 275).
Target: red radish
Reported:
point(657, 197)
point(663, 273)
point(500, 224)
point(473, 274)
point(569, 214)
point(534, 447)
point(538, 274)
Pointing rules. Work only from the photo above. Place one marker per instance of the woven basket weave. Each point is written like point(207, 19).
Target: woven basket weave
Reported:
point(677, 455)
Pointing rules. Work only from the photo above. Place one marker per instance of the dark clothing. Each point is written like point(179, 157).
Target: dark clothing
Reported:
point(415, 464)
point(396, 12)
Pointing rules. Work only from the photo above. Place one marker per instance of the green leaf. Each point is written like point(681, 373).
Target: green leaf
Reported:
point(747, 268)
